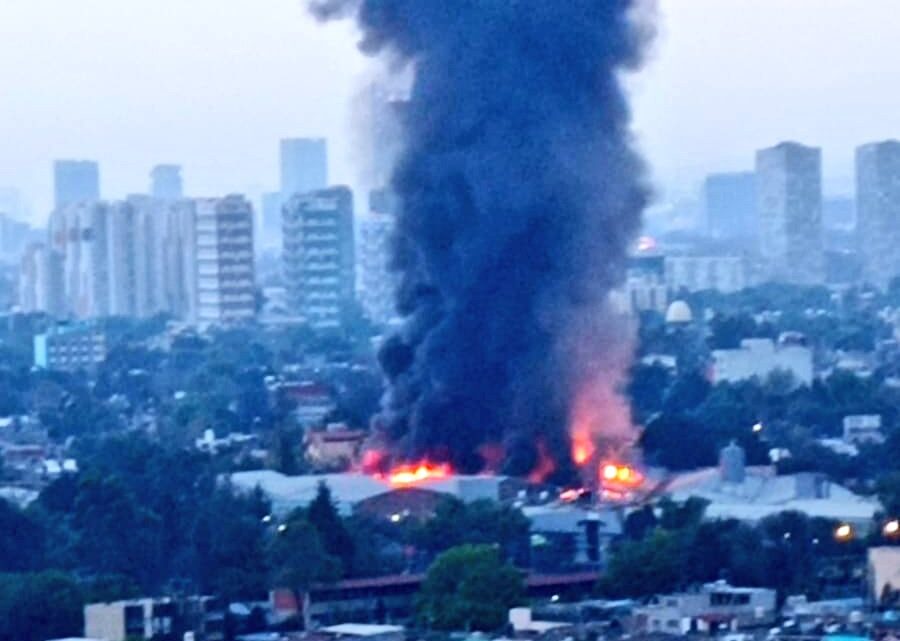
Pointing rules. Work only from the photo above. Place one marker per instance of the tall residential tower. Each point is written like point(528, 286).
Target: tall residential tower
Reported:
point(878, 210)
point(318, 255)
point(789, 206)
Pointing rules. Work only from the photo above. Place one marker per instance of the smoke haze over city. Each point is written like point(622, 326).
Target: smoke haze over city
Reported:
point(213, 94)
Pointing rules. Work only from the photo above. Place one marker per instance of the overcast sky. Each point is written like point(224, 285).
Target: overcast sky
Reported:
point(213, 85)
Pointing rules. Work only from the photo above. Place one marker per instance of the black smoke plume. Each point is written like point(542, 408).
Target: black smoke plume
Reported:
point(519, 194)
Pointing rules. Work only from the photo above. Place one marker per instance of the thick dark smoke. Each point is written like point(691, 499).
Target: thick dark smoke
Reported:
point(519, 195)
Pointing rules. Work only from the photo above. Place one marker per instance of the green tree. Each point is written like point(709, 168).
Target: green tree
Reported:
point(679, 442)
point(480, 522)
point(298, 559)
point(36, 607)
point(653, 565)
point(647, 388)
point(889, 493)
point(335, 537)
point(21, 539)
point(229, 547)
point(469, 588)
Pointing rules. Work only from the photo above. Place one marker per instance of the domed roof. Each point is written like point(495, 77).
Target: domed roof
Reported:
point(679, 312)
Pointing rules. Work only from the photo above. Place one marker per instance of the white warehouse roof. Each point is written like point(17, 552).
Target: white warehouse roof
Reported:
point(290, 492)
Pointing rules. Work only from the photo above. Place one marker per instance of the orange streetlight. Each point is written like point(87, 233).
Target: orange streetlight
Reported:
point(843, 532)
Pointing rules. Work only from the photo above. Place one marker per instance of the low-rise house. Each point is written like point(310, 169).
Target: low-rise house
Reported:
point(716, 606)
point(70, 347)
point(760, 358)
point(202, 617)
point(884, 573)
point(525, 626)
point(335, 446)
point(863, 428)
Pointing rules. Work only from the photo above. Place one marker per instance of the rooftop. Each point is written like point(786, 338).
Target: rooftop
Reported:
point(762, 493)
point(347, 489)
point(362, 629)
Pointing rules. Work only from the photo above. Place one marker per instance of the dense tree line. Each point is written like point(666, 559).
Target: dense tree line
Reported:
point(142, 518)
point(674, 547)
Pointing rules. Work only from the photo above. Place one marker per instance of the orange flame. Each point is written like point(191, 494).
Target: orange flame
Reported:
point(545, 465)
point(582, 448)
point(373, 461)
point(417, 473)
point(614, 474)
point(571, 495)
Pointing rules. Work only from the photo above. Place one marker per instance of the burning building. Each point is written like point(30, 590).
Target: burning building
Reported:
point(373, 495)
point(519, 193)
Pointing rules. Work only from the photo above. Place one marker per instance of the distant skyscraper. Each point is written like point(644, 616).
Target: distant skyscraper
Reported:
point(304, 166)
point(165, 182)
point(789, 205)
point(318, 255)
point(730, 205)
point(75, 181)
point(878, 210)
point(224, 253)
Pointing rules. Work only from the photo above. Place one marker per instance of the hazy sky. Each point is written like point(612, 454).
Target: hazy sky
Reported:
point(213, 85)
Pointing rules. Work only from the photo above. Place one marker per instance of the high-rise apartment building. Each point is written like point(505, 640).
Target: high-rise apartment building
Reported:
point(730, 205)
point(789, 207)
point(75, 181)
point(304, 166)
point(165, 182)
point(79, 234)
point(40, 281)
point(192, 259)
point(122, 251)
point(223, 235)
point(377, 284)
point(318, 254)
point(180, 258)
point(878, 210)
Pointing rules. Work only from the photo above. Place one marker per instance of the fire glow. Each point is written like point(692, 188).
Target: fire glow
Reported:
point(417, 473)
point(620, 475)
point(582, 448)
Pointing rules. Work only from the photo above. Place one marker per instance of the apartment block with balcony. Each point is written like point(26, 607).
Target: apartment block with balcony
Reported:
point(318, 254)
point(223, 241)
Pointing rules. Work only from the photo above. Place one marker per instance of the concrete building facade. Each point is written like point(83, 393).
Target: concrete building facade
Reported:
point(760, 358)
point(377, 284)
point(40, 280)
point(878, 210)
point(70, 348)
point(225, 279)
point(318, 254)
point(789, 206)
point(199, 618)
point(724, 274)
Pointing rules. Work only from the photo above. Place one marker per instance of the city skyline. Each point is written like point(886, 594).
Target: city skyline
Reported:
point(212, 111)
